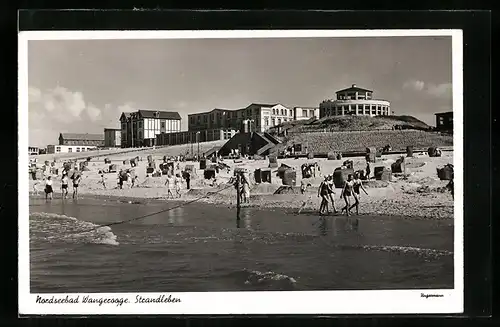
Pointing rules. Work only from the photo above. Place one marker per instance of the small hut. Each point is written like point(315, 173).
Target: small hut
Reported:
point(112, 168)
point(273, 162)
point(409, 151)
point(289, 177)
point(371, 154)
point(383, 173)
point(203, 163)
point(340, 176)
point(282, 169)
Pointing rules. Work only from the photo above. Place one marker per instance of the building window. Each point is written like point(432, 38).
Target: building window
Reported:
point(58, 149)
point(77, 149)
point(140, 134)
point(70, 149)
point(441, 120)
point(304, 113)
point(273, 122)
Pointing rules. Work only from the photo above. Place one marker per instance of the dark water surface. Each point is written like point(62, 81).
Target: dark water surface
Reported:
point(200, 247)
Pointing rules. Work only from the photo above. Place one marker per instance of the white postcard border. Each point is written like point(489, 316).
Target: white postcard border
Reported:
point(294, 302)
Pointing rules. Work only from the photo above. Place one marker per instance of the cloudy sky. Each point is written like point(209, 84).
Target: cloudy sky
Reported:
point(84, 85)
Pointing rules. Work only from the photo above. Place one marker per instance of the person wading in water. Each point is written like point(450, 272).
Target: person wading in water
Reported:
point(77, 177)
point(331, 191)
point(346, 194)
point(64, 186)
point(48, 188)
point(170, 184)
point(177, 183)
point(323, 193)
point(357, 184)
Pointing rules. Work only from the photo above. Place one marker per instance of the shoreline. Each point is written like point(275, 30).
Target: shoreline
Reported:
point(419, 194)
point(395, 208)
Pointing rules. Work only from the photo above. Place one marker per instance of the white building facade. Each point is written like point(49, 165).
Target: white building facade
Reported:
point(354, 101)
point(304, 113)
point(140, 128)
point(69, 148)
point(260, 116)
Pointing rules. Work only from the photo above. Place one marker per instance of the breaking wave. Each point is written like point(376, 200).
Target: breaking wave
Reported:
point(51, 227)
point(401, 249)
point(264, 280)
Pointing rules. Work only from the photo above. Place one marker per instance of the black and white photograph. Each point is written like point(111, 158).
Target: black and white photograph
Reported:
point(241, 172)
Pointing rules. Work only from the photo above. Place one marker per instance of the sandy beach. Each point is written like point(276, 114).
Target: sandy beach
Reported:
point(420, 195)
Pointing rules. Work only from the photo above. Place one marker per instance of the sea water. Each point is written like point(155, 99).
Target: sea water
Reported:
point(201, 247)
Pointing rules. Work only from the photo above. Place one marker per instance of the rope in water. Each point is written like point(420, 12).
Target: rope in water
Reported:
point(155, 213)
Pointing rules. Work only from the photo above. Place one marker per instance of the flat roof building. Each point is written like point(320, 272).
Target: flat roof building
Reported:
point(112, 137)
point(354, 101)
point(444, 121)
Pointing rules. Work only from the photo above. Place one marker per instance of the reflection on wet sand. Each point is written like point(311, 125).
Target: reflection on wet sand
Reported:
point(337, 225)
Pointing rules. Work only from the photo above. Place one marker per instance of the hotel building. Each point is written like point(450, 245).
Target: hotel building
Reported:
point(304, 113)
point(354, 101)
point(261, 117)
point(141, 127)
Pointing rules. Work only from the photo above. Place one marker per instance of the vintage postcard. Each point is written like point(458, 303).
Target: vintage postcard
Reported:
point(241, 172)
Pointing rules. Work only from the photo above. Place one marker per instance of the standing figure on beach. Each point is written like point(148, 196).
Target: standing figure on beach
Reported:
point(64, 185)
point(130, 182)
point(451, 186)
point(188, 180)
point(135, 182)
point(120, 181)
point(35, 189)
point(77, 177)
point(331, 191)
point(368, 170)
point(357, 185)
point(323, 192)
point(303, 187)
point(245, 188)
point(177, 184)
point(103, 181)
point(347, 193)
point(170, 184)
point(48, 188)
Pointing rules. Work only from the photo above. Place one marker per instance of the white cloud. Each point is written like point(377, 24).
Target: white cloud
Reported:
point(440, 90)
point(443, 90)
point(93, 112)
point(34, 94)
point(414, 85)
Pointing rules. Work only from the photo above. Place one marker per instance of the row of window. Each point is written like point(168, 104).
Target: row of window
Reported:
point(352, 96)
point(78, 149)
point(275, 121)
point(308, 113)
point(235, 114)
point(87, 142)
point(359, 109)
